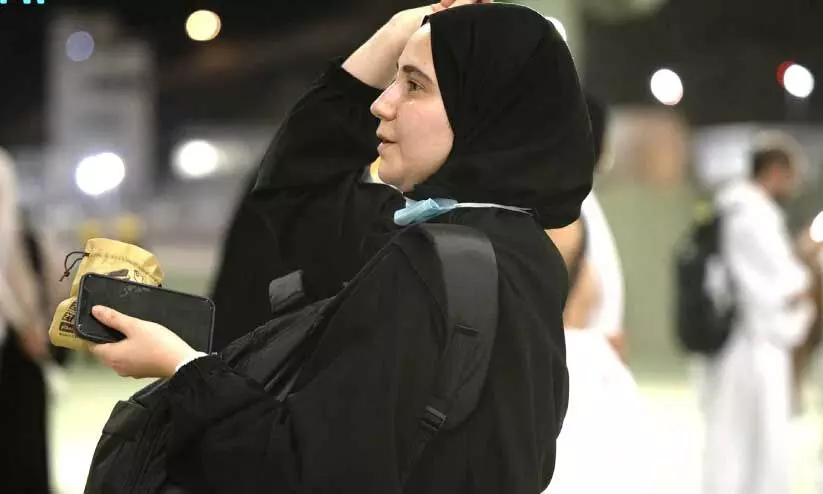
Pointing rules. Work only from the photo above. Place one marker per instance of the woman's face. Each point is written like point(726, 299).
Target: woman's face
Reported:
point(416, 137)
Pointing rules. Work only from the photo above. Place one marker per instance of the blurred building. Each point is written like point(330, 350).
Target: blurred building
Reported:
point(100, 151)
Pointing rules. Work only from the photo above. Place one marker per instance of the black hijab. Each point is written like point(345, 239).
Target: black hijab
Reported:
point(521, 128)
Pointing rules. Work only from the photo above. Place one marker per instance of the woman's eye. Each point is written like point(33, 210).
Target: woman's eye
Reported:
point(413, 86)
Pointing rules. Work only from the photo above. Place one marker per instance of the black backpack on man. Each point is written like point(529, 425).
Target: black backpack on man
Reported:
point(704, 315)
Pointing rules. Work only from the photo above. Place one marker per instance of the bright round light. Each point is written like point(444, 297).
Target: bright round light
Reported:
point(197, 159)
point(798, 81)
point(667, 87)
point(816, 230)
point(79, 46)
point(101, 173)
point(559, 26)
point(203, 25)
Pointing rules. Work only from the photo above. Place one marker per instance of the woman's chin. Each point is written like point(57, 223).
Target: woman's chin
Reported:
point(384, 173)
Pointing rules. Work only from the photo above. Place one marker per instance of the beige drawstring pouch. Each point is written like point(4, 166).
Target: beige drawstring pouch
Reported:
point(109, 258)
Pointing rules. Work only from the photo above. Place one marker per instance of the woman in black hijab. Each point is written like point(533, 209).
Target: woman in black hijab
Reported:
point(479, 107)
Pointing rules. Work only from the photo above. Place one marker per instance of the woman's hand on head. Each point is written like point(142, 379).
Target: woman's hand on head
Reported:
point(409, 21)
point(149, 349)
point(375, 62)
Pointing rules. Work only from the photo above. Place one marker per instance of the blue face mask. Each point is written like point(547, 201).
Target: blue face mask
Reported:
point(421, 211)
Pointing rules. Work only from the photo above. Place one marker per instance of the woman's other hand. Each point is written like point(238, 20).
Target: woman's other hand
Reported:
point(149, 349)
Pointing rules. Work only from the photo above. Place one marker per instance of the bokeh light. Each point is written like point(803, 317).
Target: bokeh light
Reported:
point(101, 173)
point(667, 87)
point(203, 25)
point(798, 81)
point(79, 46)
point(197, 159)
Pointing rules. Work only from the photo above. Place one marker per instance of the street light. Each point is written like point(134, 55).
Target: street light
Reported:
point(203, 25)
point(101, 173)
point(798, 81)
point(79, 46)
point(667, 87)
point(197, 159)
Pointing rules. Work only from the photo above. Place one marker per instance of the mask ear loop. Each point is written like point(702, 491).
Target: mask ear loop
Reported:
point(68, 268)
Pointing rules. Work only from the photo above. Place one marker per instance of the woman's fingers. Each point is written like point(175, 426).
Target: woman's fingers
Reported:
point(149, 349)
point(115, 320)
point(102, 352)
point(444, 4)
point(112, 355)
point(460, 3)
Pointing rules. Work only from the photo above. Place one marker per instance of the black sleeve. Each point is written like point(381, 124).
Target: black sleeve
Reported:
point(346, 430)
point(325, 220)
point(328, 134)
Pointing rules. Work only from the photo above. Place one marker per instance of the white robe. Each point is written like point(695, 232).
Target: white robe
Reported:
point(601, 253)
point(602, 445)
point(746, 394)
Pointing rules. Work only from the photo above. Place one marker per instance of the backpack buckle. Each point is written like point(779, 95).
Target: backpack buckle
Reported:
point(433, 419)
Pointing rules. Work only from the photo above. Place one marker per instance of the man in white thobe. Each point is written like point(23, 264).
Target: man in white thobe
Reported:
point(748, 384)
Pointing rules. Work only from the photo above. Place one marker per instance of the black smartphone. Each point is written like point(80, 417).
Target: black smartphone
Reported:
point(189, 316)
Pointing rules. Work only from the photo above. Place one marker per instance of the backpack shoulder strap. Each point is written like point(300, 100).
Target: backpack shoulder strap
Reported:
point(469, 268)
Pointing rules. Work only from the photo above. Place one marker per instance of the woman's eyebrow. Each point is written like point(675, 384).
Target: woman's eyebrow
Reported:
point(412, 70)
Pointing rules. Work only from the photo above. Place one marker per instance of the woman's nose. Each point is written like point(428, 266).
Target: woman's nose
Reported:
point(385, 105)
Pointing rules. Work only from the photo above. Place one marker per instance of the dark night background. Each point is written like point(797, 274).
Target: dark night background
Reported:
point(726, 51)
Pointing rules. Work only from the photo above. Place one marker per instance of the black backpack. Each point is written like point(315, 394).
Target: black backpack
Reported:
point(131, 454)
point(704, 320)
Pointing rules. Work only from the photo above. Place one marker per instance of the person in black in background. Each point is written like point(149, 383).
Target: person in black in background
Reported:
point(250, 261)
point(481, 105)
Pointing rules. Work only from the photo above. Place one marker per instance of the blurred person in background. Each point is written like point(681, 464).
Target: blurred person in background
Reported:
point(749, 382)
point(250, 260)
point(598, 448)
point(485, 107)
point(25, 303)
point(606, 316)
